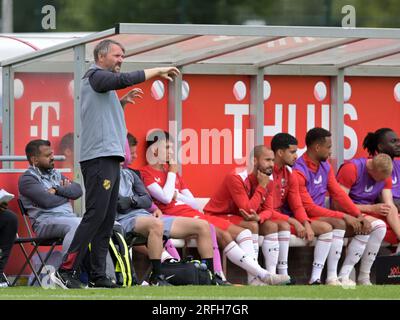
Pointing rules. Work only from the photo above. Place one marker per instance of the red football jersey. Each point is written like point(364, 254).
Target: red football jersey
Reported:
point(151, 175)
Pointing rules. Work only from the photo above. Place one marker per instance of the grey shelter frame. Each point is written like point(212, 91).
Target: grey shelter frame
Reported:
point(243, 51)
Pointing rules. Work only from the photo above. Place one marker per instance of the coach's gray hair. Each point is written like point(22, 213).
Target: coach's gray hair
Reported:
point(103, 47)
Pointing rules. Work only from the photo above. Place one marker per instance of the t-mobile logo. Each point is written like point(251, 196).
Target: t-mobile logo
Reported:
point(45, 108)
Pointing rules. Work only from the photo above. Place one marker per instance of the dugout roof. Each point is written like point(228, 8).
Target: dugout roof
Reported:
point(219, 49)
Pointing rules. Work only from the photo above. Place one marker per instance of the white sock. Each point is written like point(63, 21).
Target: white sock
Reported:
point(254, 236)
point(335, 253)
point(245, 242)
point(374, 243)
point(283, 238)
point(321, 252)
point(270, 249)
point(237, 256)
point(398, 248)
point(355, 251)
point(255, 245)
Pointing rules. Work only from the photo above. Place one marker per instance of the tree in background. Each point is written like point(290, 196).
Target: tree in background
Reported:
point(93, 15)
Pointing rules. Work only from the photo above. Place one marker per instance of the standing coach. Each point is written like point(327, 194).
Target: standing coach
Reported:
point(102, 149)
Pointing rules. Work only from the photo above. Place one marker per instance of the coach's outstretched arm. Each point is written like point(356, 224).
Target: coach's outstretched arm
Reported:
point(164, 72)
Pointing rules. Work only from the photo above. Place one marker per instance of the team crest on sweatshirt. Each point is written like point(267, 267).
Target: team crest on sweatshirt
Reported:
point(318, 181)
point(368, 189)
point(106, 184)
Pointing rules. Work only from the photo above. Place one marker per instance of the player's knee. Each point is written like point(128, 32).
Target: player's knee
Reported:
point(338, 224)
point(378, 227)
point(283, 226)
point(203, 227)
point(156, 227)
point(251, 225)
point(324, 227)
point(268, 227)
point(224, 238)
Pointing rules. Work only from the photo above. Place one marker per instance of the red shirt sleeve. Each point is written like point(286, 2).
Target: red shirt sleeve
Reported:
point(311, 208)
point(347, 175)
point(340, 196)
point(264, 215)
point(240, 197)
point(294, 200)
point(268, 205)
point(388, 183)
point(276, 215)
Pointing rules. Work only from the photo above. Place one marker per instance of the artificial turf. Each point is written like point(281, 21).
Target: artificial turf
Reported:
point(297, 292)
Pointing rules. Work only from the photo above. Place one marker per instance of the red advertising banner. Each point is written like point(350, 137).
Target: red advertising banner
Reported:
point(146, 114)
point(43, 109)
point(370, 103)
point(215, 122)
point(295, 105)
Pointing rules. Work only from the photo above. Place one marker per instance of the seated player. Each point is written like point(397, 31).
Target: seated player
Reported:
point(174, 198)
point(241, 199)
point(134, 204)
point(169, 251)
point(286, 199)
point(316, 179)
point(220, 276)
point(365, 180)
point(385, 140)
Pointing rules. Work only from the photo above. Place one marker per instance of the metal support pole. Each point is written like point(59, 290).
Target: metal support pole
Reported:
point(79, 70)
point(175, 115)
point(257, 107)
point(337, 119)
point(8, 106)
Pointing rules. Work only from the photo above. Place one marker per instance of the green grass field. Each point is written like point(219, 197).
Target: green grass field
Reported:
point(206, 292)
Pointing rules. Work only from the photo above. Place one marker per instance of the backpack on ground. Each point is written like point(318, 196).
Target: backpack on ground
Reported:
point(119, 266)
point(124, 271)
point(186, 272)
